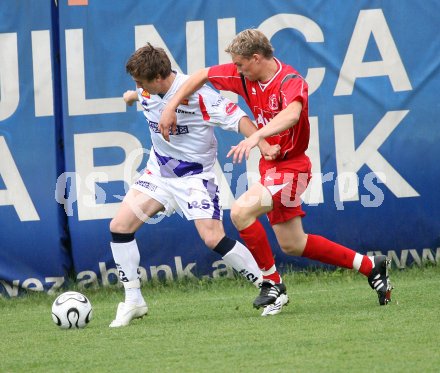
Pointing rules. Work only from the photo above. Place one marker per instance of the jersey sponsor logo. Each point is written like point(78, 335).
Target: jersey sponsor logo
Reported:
point(273, 102)
point(203, 204)
point(146, 185)
point(180, 111)
point(145, 94)
point(263, 116)
point(230, 108)
point(180, 130)
point(154, 126)
point(218, 102)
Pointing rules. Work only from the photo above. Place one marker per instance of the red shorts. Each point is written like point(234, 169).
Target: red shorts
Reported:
point(286, 180)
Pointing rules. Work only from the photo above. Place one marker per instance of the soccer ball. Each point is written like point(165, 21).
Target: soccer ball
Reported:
point(71, 310)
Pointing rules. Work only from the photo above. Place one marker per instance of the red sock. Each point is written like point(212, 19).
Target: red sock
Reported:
point(256, 241)
point(329, 252)
point(366, 266)
point(274, 277)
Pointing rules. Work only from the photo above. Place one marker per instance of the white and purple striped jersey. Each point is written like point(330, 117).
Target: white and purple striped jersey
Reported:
point(193, 148)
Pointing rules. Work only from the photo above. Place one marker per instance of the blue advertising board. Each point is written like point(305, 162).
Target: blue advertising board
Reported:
point(33, 249)
point(372, 69)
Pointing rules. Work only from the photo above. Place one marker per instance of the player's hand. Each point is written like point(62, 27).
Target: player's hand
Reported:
point(168, 120)
point(269, 152)
point(243, 148)
point(272, 152)
point(130, 97)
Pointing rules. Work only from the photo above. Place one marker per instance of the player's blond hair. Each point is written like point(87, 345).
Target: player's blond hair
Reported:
point(249, 42)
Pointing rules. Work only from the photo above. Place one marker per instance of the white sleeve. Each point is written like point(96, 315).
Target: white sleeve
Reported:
point(219, 111)
point(139, 93)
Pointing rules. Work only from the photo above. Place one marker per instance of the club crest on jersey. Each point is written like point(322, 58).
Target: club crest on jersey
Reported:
point(273, 102)
point(230, 108)
point(146, 94)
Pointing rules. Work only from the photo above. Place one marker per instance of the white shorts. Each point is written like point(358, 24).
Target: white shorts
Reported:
point(196, 196)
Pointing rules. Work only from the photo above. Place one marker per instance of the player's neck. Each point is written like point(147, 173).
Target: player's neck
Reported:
point(167, 83)
point(268, 69)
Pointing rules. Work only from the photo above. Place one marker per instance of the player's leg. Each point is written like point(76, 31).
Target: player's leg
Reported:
point(234, 253)
point(255, 202)
point(199, 200)
point(244, 213)
point(134, 211)
point(294, 241)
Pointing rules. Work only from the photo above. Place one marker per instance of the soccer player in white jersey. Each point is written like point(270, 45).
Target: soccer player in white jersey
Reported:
point(179, 173)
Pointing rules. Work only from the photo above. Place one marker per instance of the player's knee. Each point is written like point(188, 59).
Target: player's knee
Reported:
point(294, 247)
point(114, 226)
point(212, 237)
point(212, 240)
point(117, 226)
point(238, 216)
point(120, 232)
point(290, 250)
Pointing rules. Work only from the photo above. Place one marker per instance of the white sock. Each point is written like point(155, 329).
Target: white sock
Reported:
point(126, 256)
point(241, 259)
point(133, 295)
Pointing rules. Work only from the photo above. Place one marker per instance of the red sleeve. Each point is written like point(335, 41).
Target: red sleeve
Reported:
point(294, 89)
point(226, 77)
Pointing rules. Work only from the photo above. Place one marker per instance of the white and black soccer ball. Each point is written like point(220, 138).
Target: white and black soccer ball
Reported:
point(71, 310)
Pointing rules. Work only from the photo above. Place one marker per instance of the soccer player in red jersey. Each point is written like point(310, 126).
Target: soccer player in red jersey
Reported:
point(277, 95)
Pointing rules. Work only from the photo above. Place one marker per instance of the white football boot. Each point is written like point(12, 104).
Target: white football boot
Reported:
point(276, 307)
point(127, 312)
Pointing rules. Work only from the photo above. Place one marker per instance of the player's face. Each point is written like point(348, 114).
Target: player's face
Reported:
point(247, 66)
point(152, 86)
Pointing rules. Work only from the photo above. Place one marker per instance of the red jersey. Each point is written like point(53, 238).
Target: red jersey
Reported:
point(266, 100)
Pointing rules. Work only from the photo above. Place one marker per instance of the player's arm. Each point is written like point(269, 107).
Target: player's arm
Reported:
point(168, 118)
point(283, 120)
point(130, 97)
point(247, 128)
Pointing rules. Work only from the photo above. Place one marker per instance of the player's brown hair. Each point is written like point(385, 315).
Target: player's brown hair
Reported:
point(148, 63)
point(249, 42)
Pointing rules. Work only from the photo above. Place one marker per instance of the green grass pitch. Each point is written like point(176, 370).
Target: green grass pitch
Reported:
point(332, 324)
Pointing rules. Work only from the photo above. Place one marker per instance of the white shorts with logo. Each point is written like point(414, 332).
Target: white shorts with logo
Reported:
point(197, 196)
